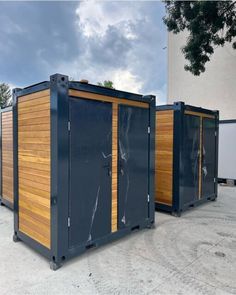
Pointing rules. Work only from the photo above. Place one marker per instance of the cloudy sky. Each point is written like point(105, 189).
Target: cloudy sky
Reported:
point(94, 40)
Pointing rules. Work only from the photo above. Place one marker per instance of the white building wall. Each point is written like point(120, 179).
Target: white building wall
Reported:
point(214, 89)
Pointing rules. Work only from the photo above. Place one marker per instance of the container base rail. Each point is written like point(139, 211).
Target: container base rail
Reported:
point(178, 213)
point(55, 265)
point(6, 203)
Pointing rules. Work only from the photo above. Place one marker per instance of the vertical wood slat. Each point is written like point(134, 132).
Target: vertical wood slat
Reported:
point(7, 157)
point(114, 166)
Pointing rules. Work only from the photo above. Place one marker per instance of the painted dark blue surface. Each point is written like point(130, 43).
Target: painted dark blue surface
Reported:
point(133, 165)
point(208, 157)
point(90, 168)
point(189, 159)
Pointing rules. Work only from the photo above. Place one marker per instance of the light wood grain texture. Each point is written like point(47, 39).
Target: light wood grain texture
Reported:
point(7, 157)
point(89, 95)
point(199, 114)
point(114, 166)
point(164, 156)
point(32, 96)
point(34, 166)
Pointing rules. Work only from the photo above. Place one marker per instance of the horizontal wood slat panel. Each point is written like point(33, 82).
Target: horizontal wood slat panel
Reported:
point(34, 172)
point(40, 127)
point(35, 147)
point(34, 166)
point(164, 156)
point(31, 96)
point(7, 156)
point(199, 114)
point(39, 114)
point(34, 108)
point(34, 121)
point(89, 95)
point(31, 153)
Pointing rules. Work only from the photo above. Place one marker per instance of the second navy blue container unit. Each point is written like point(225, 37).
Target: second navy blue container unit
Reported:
point(85, 166)
point(186, 156)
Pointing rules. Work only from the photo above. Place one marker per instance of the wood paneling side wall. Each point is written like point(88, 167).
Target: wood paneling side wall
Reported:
point(7, 157)
point(34, 166)
point(164, 156)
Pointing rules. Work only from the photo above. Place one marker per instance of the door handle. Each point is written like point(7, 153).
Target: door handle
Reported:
point(121, 169)
point(108, 167)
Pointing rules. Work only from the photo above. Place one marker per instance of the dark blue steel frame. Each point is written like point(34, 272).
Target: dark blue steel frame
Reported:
point(3, 201)
point(59, 109)
point(179, 108)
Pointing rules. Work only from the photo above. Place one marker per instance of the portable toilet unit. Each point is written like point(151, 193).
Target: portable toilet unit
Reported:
point(85, 165)
point(186, 156)
point(6, 157)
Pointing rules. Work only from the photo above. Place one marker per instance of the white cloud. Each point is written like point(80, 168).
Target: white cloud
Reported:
point(126, 81)
point(96, 17)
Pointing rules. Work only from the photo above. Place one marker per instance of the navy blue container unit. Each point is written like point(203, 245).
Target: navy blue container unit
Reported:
point(186, 156)
point(85, 166)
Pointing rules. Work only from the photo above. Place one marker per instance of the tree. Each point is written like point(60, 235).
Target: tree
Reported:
point(210, 24)
point(5, 95)
point(107, 84)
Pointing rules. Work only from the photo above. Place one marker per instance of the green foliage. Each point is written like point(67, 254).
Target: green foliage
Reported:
point(210, 24)
point(5, 95)
point(107, 84)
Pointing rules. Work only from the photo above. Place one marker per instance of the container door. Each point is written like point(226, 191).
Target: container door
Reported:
point(189, 164)
point(208, 157)
point(90, 170)
point(133, 166)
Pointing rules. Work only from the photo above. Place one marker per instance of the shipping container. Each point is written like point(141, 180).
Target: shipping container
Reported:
point(186, 156)
point(85, 166)
point(227, 155)
point(6, 158)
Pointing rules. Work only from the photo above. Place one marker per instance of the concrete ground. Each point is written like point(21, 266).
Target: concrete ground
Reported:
point(194, 254)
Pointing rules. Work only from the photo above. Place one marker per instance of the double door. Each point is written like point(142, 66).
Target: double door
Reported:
point(198, 158)
point(92, 155)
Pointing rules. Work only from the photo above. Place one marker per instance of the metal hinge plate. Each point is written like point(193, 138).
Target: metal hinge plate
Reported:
point(149, 130)
point(68, 125)
point(68, 222)
point(148, 198)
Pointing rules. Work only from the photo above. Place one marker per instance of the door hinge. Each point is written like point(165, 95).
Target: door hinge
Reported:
point(214, 180)
point(68, 125)
point(215, 133)
point(68, 222)
point(148, 198)
point(149, 130)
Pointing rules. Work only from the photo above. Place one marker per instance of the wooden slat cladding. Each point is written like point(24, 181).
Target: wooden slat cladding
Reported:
point(7, 157)
point(164, 156)
point(202, 115)
point(94, 96)
point(34, 166)
point(114, 165)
